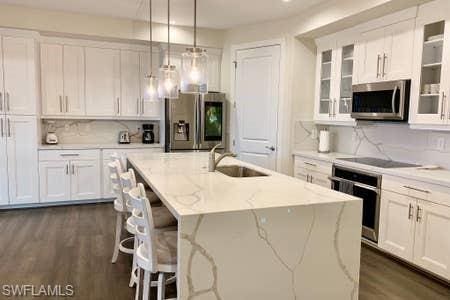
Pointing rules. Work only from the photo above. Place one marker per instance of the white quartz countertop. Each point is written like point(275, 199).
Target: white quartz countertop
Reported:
point(438, 176)
point(183, 183)
point(99, 146)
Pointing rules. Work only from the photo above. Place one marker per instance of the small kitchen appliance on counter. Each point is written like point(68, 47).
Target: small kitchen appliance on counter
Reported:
point(124, 137)
point(51, 138)
point(148, 136)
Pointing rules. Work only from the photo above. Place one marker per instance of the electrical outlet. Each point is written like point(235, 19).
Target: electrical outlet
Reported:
point(440, 144)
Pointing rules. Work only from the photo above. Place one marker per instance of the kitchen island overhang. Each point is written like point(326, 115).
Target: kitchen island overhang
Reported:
point(272, 237)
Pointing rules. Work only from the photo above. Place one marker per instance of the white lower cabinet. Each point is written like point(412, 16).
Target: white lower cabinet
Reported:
point(416, 229)
point(69, 175)
point(18, 160)
point(313, 171)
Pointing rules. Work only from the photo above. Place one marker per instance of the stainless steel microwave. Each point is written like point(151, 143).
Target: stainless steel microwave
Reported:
point(381, 101)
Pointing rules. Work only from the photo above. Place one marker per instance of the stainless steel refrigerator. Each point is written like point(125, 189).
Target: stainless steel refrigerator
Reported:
point(195, 122)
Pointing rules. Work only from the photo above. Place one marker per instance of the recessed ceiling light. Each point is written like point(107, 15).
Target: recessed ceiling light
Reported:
point(286, 1)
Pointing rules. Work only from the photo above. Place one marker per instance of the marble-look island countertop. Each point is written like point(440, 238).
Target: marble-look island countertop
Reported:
point(183, 183)
point(264, 238)
point(99, 146)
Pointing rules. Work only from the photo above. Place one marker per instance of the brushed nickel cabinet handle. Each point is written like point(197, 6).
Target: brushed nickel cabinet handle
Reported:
point(73, 169)
point(416, 189)
point(137, 106)
point(410, 211)
point(1, 101)
point(118, 106)
point(9, 128)
point(334, 108)
point(67, 169)
point(60, 104)
point(67, 104)
point(378, 65)
point(2, 129)
point(69, 154)
point(442, 105)
point(419, 214)
point(385, 57)
point(142, 106)
point(310, 164)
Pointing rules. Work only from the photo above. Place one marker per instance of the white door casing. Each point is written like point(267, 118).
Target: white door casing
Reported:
point(257, 95)
point(22, 159)
point(4, 195)
point(19, 75)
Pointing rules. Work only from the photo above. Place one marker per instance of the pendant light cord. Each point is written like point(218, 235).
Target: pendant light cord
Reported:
point(151, 36)
point(195, 24)
point(168, 33)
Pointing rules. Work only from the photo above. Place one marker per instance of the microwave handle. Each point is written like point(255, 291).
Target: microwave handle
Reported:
point(393, 99)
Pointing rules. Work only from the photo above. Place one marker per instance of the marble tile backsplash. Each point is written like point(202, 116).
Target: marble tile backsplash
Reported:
point(96, 131)
point(381, 140)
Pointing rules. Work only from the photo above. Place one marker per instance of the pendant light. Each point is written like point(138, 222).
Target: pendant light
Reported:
point(194, 66)
point(151, 81)
point(168, 74)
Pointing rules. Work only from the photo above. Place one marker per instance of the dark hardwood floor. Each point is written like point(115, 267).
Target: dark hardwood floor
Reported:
point(73, 245)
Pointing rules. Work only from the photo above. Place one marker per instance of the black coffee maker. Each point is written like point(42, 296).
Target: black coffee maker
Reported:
point(148, 136)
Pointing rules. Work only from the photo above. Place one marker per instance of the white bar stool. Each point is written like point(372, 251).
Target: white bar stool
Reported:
point(157, 250)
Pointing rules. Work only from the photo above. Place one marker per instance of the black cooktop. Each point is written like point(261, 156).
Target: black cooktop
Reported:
point(380, 163)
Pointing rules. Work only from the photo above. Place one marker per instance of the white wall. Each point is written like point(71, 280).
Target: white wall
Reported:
point(101, 26)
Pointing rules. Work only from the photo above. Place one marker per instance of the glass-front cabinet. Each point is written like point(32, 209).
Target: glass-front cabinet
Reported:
point(430, 101)
point(334, 85)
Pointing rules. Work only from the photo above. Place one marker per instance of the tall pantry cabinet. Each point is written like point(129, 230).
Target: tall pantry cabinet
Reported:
point(18, 121)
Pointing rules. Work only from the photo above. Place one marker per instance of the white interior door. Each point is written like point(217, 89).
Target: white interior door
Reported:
point(74, 80)
point(20, 75)
point(52, 79)
point(256, 96)
point(22, 159)
point(4, 198)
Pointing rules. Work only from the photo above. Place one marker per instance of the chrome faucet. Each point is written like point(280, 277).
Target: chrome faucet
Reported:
point(213, 162)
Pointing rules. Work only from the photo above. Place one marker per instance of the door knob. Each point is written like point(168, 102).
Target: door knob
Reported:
point(271, 148)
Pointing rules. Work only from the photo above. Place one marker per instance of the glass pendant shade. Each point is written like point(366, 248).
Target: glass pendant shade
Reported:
point(194, 71)
point(168, 82)
point(151, 88)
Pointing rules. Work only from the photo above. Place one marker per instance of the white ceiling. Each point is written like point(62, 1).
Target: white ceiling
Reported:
point(218, 14)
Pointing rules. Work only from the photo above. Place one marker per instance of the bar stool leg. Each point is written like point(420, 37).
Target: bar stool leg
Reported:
point(133, 265)
point(119, 225)
point(138, 283)
point(146, 283)
point(161, 286)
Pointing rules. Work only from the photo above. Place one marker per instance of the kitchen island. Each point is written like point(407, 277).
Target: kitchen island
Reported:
point(269, 237)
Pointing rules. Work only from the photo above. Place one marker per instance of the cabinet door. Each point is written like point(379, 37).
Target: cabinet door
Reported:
point(369, 55)
point(4, 197)
point(398, 55)
point(19, 75)
point(54, 180)
point(102, 82)
point(52, 79)
point(22, 159)
point(74, 101)
point(397, 224)
point(301, 173)
point(149, 109)
point(107, 191)
point(130, 83)
point(324, 86)
point(214, 63)
point(320, 179)
point(342, 100)
point(432, 245)
point(85, 179)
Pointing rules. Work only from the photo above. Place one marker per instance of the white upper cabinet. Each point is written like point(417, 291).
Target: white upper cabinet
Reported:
point(102, 82)
point(19, 75)
point(214, 70)
point(385, 53)
point(431, 81)
point(62, 76)
point(130, 83)
point(334, 82)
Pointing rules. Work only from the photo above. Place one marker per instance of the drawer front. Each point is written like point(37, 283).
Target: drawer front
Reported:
point(320, 179)
point(63, 155)
point(301, 173)
point(313, 165)
point(416, 189)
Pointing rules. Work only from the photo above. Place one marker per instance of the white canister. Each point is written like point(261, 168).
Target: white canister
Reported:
point(324, 141)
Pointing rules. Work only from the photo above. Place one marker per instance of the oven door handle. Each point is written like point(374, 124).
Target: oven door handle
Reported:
point(361, 185)
point(393, 99)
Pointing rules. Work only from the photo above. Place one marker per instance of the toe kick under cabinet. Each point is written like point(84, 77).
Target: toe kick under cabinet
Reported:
point(69, 175)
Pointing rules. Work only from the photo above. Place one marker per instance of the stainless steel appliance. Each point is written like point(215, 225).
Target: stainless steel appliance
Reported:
point(124, 137)
point(380, 163)
point(364, 185)
point(196, 122)
point(381, 101)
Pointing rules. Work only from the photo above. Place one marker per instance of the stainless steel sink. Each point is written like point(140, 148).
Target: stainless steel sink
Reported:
point(239, 171)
